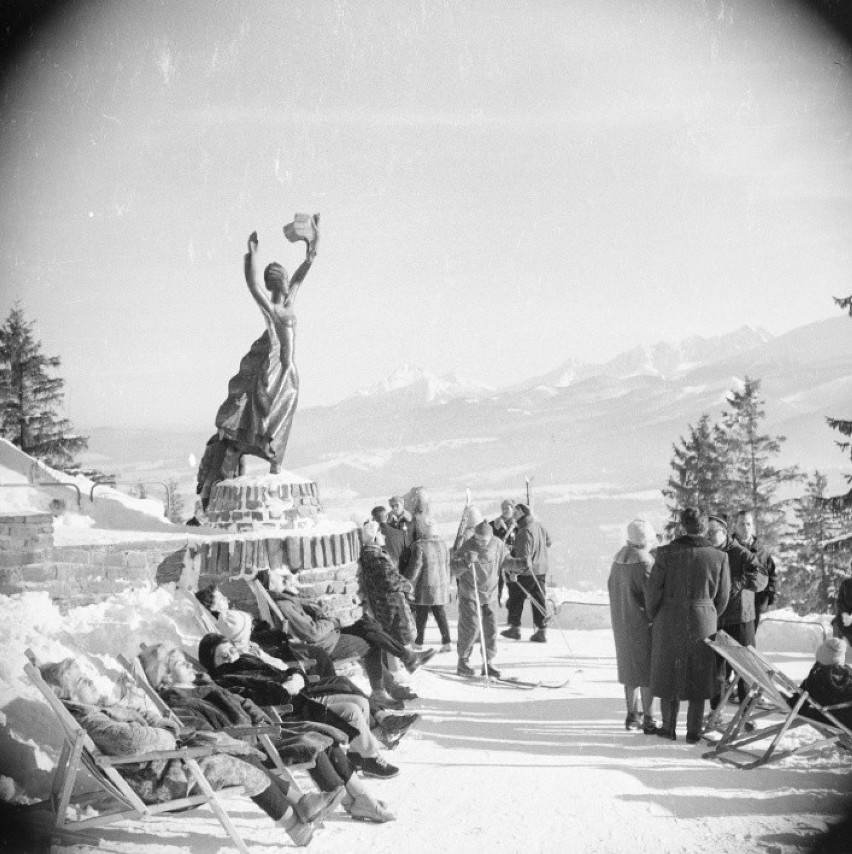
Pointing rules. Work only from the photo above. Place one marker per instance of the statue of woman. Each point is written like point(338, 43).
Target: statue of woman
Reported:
point(258, 413)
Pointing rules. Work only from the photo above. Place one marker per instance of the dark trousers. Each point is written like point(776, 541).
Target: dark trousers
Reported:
point(421, 614)
point(367, 640)
point(744, 633)
point(534, 585)
point(694, 715)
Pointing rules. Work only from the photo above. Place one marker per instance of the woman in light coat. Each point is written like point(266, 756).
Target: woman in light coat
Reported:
point(428, 571)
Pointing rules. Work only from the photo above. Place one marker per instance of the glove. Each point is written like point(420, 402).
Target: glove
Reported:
point(847, 619)
point(294, 684)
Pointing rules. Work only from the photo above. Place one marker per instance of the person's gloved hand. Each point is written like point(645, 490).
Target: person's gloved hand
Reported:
point(294, 684)
point(847, 619)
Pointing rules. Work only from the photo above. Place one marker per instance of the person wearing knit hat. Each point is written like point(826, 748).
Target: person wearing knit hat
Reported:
point(830, 681)
point(484, 554)
point(526, 575)
point(630, 625)
point(399, 517)
point(504, 527)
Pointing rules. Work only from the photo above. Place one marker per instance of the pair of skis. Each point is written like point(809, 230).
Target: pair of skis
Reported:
point(502, 681)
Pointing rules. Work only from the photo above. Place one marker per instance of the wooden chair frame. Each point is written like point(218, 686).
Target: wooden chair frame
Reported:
point(767, 696)
point(258, 734)
point(79, 752)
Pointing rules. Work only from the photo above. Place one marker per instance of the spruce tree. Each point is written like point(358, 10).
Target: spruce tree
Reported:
point(812, 573)
point(752, 479)
point(700, 470)
point(30, 398)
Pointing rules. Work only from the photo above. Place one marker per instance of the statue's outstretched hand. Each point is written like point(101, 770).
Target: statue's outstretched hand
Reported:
point(252, 243)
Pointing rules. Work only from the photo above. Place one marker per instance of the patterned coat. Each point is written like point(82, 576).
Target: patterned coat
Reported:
point(688, 588)
point(121, 731)
point(631, 625)
point(386, 591)
point(429, 571)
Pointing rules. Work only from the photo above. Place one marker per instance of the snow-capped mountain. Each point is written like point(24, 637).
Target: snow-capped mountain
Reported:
point(416, 385)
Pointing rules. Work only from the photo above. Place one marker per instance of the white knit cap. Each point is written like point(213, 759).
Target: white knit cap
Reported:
point(235, 626)
point(641, 533)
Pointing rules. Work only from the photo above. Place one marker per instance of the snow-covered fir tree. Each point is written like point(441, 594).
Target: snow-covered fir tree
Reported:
point(752, 480)
point(812, 574)
point(30, 398)
point(700, 470)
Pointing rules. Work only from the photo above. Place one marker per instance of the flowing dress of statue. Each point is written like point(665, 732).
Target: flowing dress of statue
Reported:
point(258, 413)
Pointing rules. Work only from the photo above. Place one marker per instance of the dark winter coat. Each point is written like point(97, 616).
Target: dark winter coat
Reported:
point(686, 591)
point(631, 625)
point(763, 599)
point(843, 605)
point(529, 551)
point(254, 679)
point(386, 591)
point(429, 571)
point(307, 621)
point(829, 684)
point(208, 707)
point(746, 579)
point(488, 562)
point(397, 544)
point(504, 530)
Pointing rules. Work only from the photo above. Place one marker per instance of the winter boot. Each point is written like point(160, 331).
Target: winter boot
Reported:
point(464, 669)
point(493, 672)
point(382, 700)
point(446, 647)
point(418, 659)
point(513, 633)
point(376, 766)
point(401, 692)
point(299, 831)
point(315, 806)
point(362, 806)
point(649, 725)
point(633, 721)
point(539, 637)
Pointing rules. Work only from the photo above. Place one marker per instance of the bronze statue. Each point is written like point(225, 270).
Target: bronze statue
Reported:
point(258, 413)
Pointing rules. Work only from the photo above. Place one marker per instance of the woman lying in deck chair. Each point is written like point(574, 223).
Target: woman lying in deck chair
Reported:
point(119, 730)
point(830, 683)
point(192, 696)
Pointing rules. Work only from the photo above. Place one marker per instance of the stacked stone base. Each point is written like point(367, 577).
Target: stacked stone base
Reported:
point(266, 503)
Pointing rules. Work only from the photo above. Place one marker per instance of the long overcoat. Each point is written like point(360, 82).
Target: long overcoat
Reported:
point(688, 588)
point(386, 592)
point(630, 623)
point(428, 571)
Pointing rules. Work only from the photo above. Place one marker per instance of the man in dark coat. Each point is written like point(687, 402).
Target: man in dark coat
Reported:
point(397, 540)
point(746, 533)
point(527, 571)
point(688, 588)
point(746, 579)
point(842, 621)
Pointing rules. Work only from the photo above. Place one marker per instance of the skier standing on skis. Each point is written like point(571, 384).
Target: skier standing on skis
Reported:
point(484, 554)
point(527, 575)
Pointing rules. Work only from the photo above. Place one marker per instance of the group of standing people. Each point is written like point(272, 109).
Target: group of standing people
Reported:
point(405, 562)
point(666, 599)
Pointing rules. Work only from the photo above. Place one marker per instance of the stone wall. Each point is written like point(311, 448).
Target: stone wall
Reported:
point(78, 575)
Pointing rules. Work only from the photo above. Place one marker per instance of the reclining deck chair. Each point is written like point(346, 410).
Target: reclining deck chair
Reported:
point(79, 752)
point(771, 693)
point(261, 733)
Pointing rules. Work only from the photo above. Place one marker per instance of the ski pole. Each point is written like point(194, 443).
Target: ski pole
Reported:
point(481, 632)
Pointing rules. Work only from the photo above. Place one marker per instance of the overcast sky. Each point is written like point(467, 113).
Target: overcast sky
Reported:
point(503, 186)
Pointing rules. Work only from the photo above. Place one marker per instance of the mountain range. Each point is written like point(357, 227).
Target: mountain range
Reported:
point(592, 441)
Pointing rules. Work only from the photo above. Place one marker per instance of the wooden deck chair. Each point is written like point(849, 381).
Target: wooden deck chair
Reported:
point(204, 617)
point(79, 752)
point(258, 734)
point(769, 692)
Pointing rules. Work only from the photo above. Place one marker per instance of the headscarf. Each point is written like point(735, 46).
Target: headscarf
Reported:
point(207, 651)
point(640, 533)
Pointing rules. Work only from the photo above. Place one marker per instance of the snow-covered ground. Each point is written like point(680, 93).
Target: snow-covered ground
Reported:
point(487, 769)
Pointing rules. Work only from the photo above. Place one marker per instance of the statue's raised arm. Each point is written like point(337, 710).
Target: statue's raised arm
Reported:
point(311, 237)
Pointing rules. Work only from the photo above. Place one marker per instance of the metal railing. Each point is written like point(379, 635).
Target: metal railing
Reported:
point(48, 485)
point(114, 483)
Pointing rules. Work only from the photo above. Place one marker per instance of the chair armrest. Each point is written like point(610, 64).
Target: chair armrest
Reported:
point(182, 753)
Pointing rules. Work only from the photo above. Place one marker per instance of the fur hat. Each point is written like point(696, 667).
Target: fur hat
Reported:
point(207, 651)
point(640, 533)
point(719, 519)
point(831, 651)
point(524, 508)
point(483, 530)
point(235, 626)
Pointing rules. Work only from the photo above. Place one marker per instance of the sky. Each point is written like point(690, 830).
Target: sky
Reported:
point(503, 186)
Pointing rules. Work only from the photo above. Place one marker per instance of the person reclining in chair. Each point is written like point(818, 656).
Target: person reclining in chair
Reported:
point(120, 730)
point(829, 682)
point(364, 639)
point(198, 701)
